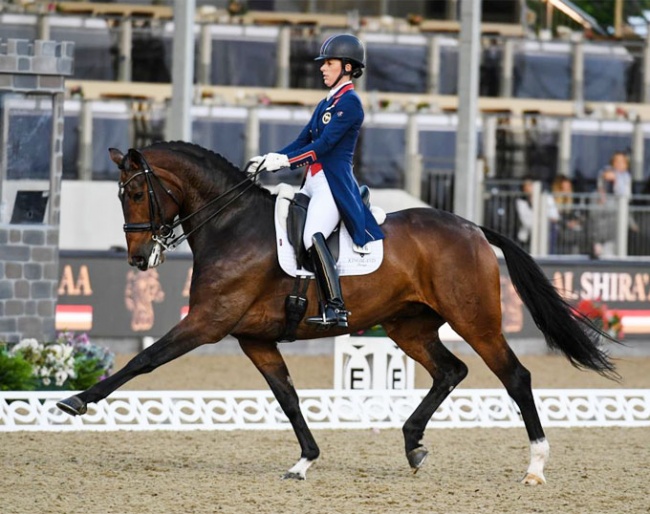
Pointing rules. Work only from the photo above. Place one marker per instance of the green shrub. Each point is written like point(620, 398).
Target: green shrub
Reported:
point(15, 372)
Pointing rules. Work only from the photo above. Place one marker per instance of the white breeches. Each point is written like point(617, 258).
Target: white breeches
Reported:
point(322, 215)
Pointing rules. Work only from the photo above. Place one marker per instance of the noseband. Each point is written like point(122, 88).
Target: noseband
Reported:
point(163, 233)
point(160, 230)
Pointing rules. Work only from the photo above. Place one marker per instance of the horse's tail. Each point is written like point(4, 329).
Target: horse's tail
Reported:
point(564, 328)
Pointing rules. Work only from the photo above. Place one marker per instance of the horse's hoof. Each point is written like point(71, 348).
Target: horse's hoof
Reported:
point(73, 406)
point(532, 479)
point(291, 475)
point(299, 469)
point(416, 458)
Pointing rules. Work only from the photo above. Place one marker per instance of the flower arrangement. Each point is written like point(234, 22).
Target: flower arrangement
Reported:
point(602, 317)
point(71, 362)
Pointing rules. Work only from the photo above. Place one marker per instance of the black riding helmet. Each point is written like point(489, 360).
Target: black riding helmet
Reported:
point(347, 48)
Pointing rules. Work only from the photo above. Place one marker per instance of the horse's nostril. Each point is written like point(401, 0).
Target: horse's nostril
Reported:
point(139, 262)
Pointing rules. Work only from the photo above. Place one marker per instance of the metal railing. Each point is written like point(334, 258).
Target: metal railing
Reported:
point(580, 224)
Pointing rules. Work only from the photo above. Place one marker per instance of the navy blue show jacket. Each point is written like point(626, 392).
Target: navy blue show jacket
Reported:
point(328, 142)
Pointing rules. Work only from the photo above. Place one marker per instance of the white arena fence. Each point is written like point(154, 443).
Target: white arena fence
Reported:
point(331, 409)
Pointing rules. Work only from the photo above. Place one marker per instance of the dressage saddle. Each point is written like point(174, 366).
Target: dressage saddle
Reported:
point(296, 220)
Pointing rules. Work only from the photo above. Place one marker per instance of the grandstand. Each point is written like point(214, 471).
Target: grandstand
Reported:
point(556, 96)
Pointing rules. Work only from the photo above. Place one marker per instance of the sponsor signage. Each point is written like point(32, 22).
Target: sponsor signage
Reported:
point(99, 293)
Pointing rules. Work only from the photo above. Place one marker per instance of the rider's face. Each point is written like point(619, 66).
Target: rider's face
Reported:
point(331, 69)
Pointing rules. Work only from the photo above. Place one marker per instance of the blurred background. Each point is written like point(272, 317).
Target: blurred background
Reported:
point(563, 89)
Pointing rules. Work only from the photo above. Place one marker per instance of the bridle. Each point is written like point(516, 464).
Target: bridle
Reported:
point(163, 233)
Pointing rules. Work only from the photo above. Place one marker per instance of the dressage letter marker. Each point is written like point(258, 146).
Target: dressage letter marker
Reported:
point(371, 363)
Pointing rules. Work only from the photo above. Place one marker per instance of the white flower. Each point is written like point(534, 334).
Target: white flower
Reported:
point(67, 352)
point(60, 377)
point(46, 381)
point(26, 344)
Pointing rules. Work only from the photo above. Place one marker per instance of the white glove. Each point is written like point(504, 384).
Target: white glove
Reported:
point(275, 161)
point(253, 165)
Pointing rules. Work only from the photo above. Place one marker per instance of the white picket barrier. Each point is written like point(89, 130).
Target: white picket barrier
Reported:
point(258, 410)
point(373, 388)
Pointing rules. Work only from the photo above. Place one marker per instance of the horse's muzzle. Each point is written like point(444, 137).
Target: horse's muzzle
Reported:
point(143, 262)
point(139, 262)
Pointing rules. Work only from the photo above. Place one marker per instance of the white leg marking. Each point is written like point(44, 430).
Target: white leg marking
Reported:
point(539, 452)
point(299, 470)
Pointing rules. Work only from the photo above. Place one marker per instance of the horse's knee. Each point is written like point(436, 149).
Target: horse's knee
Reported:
point(452, 374)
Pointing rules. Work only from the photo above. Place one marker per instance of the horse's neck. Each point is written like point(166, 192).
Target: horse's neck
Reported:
point(233, 208)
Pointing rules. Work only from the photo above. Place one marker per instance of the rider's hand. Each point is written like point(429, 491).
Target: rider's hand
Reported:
point(254, 163)
point(275, 161)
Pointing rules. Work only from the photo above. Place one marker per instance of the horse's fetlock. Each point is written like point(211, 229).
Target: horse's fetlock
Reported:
point(412, 436)
point(311, 454)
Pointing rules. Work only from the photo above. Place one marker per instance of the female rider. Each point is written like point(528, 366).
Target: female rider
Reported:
point(326, 145)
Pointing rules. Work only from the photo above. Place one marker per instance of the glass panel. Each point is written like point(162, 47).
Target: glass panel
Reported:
point(27, 130)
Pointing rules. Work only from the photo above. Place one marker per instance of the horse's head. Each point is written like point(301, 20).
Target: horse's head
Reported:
point(149, 204)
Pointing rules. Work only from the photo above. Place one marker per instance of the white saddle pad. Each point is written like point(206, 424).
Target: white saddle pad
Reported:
point(349, 262)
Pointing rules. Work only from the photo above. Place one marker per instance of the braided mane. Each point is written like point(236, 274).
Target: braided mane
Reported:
point(204, 159)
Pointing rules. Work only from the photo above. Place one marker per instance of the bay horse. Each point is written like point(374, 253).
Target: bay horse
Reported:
point(437, 268)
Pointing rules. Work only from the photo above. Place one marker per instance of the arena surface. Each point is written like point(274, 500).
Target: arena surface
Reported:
point(360, 471)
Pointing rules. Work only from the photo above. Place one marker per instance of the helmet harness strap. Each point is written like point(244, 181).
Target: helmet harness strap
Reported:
point(343, 73)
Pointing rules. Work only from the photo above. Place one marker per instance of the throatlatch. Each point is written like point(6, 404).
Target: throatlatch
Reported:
point(332, 309)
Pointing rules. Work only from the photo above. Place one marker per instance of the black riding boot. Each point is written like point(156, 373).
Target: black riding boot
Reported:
point(327, 278)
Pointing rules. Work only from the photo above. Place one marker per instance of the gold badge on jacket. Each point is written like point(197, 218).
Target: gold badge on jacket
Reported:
point(327, 117)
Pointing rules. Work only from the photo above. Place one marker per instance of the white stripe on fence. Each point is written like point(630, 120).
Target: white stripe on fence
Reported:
point(258, 410)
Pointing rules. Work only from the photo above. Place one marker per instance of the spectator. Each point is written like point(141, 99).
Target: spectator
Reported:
point(613, 181)
point(524, 206)
point(616, 178)
point(570, 223)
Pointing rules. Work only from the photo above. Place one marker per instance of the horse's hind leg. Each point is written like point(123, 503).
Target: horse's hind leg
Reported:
point(516, 379)
point(418, 338)
point(268, 360)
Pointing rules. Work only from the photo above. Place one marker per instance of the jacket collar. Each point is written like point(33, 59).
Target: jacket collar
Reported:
point(339, 90)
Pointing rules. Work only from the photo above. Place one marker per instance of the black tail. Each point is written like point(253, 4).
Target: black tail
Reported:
point(564, 328)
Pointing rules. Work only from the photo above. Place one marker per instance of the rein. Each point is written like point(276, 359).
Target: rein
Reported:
point(163, 234)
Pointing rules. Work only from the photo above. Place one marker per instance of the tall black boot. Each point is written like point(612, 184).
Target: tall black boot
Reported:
point(327, 277)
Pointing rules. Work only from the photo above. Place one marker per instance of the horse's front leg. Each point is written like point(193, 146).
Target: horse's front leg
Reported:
point(268, 360)
point(184, 337)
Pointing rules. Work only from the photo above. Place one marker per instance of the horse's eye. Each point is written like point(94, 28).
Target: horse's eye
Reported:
point(138, 197)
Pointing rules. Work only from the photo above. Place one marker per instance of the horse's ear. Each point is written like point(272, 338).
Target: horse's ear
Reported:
point(135, 159)
point(117, 157)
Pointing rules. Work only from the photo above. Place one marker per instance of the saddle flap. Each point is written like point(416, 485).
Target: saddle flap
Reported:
point(296, 220)
point(349, 261)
